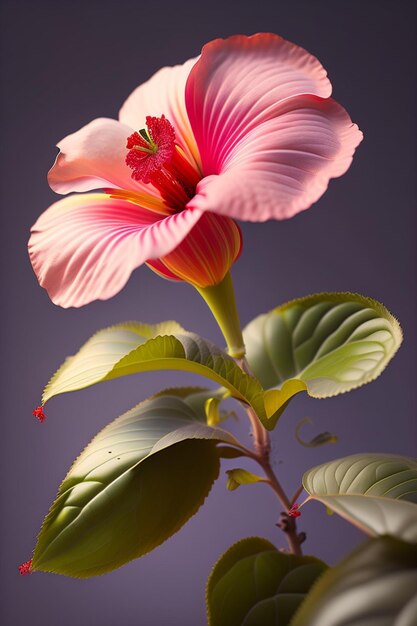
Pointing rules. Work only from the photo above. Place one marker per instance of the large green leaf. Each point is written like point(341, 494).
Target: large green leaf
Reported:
point(375, 586)
point(101, 353)
point(138, 481)
point(253, 583)
point(132, 348)
point(333, 342)
point(376, 492)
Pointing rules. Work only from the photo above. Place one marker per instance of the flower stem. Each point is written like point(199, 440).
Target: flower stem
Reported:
point(220, 299)
point(221, 302)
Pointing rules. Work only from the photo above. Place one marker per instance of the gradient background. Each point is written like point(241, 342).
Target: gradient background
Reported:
point(65, 63)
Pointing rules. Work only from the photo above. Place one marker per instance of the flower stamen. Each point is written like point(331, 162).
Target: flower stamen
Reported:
point(156, 158)
point(150, 148)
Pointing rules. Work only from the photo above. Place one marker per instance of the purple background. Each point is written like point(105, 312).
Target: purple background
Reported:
point(65, 63)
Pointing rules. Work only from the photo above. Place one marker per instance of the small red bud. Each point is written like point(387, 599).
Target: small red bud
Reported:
point(25, 568)
point(294, 512)
point(39, 414)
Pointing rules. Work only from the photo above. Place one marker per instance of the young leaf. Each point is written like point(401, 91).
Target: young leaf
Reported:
point(211, 408)
point(319, 440)
point(197, 398)
point(138, 481)
point(376, 585)
point(238, 476)
point(333, 342)
point(276, 400)
point(253, 583)
point(125, 349)
point(376, 492)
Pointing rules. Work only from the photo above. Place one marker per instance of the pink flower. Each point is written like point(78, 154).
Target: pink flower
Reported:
point(247, 131)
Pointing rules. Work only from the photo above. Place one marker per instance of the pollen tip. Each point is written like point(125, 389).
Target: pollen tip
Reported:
point(25, 568)
point(39, 413)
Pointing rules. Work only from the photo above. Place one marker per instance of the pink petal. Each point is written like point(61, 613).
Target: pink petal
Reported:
point(164, 94)
point(283, 165)
point(85, 247)
point(238, 83)
point(94, 157)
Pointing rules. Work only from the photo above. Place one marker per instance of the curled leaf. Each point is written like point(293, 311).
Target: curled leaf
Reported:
point(211, 408)
point(319, 440)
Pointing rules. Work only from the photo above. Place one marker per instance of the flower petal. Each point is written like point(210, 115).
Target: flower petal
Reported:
point(164, 93)
point(284, 165)
point(84, 247)
point(94, 157)
point(238, 83)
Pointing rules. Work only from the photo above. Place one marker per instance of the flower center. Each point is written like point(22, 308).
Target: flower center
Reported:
point(156, 158)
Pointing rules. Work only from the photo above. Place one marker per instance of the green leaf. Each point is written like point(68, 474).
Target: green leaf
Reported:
point(374, 586)
point(138, 481)
point(99, 355)
point(333, 342)
point(226, 452)
point(376, 492)
point(126, 349)
point(253, 583)
point(238, 476)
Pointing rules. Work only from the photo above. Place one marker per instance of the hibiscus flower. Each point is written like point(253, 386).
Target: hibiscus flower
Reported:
point(247, 131)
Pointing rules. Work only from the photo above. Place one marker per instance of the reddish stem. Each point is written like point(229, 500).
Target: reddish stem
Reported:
point(262, 446)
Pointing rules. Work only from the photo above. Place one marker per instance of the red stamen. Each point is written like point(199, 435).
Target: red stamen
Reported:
point(39, 414)
point(146, 158)
point(155, 158)
point(294, 512)
point(25, 568)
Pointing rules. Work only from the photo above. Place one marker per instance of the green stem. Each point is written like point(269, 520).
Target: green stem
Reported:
point(221, 301)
